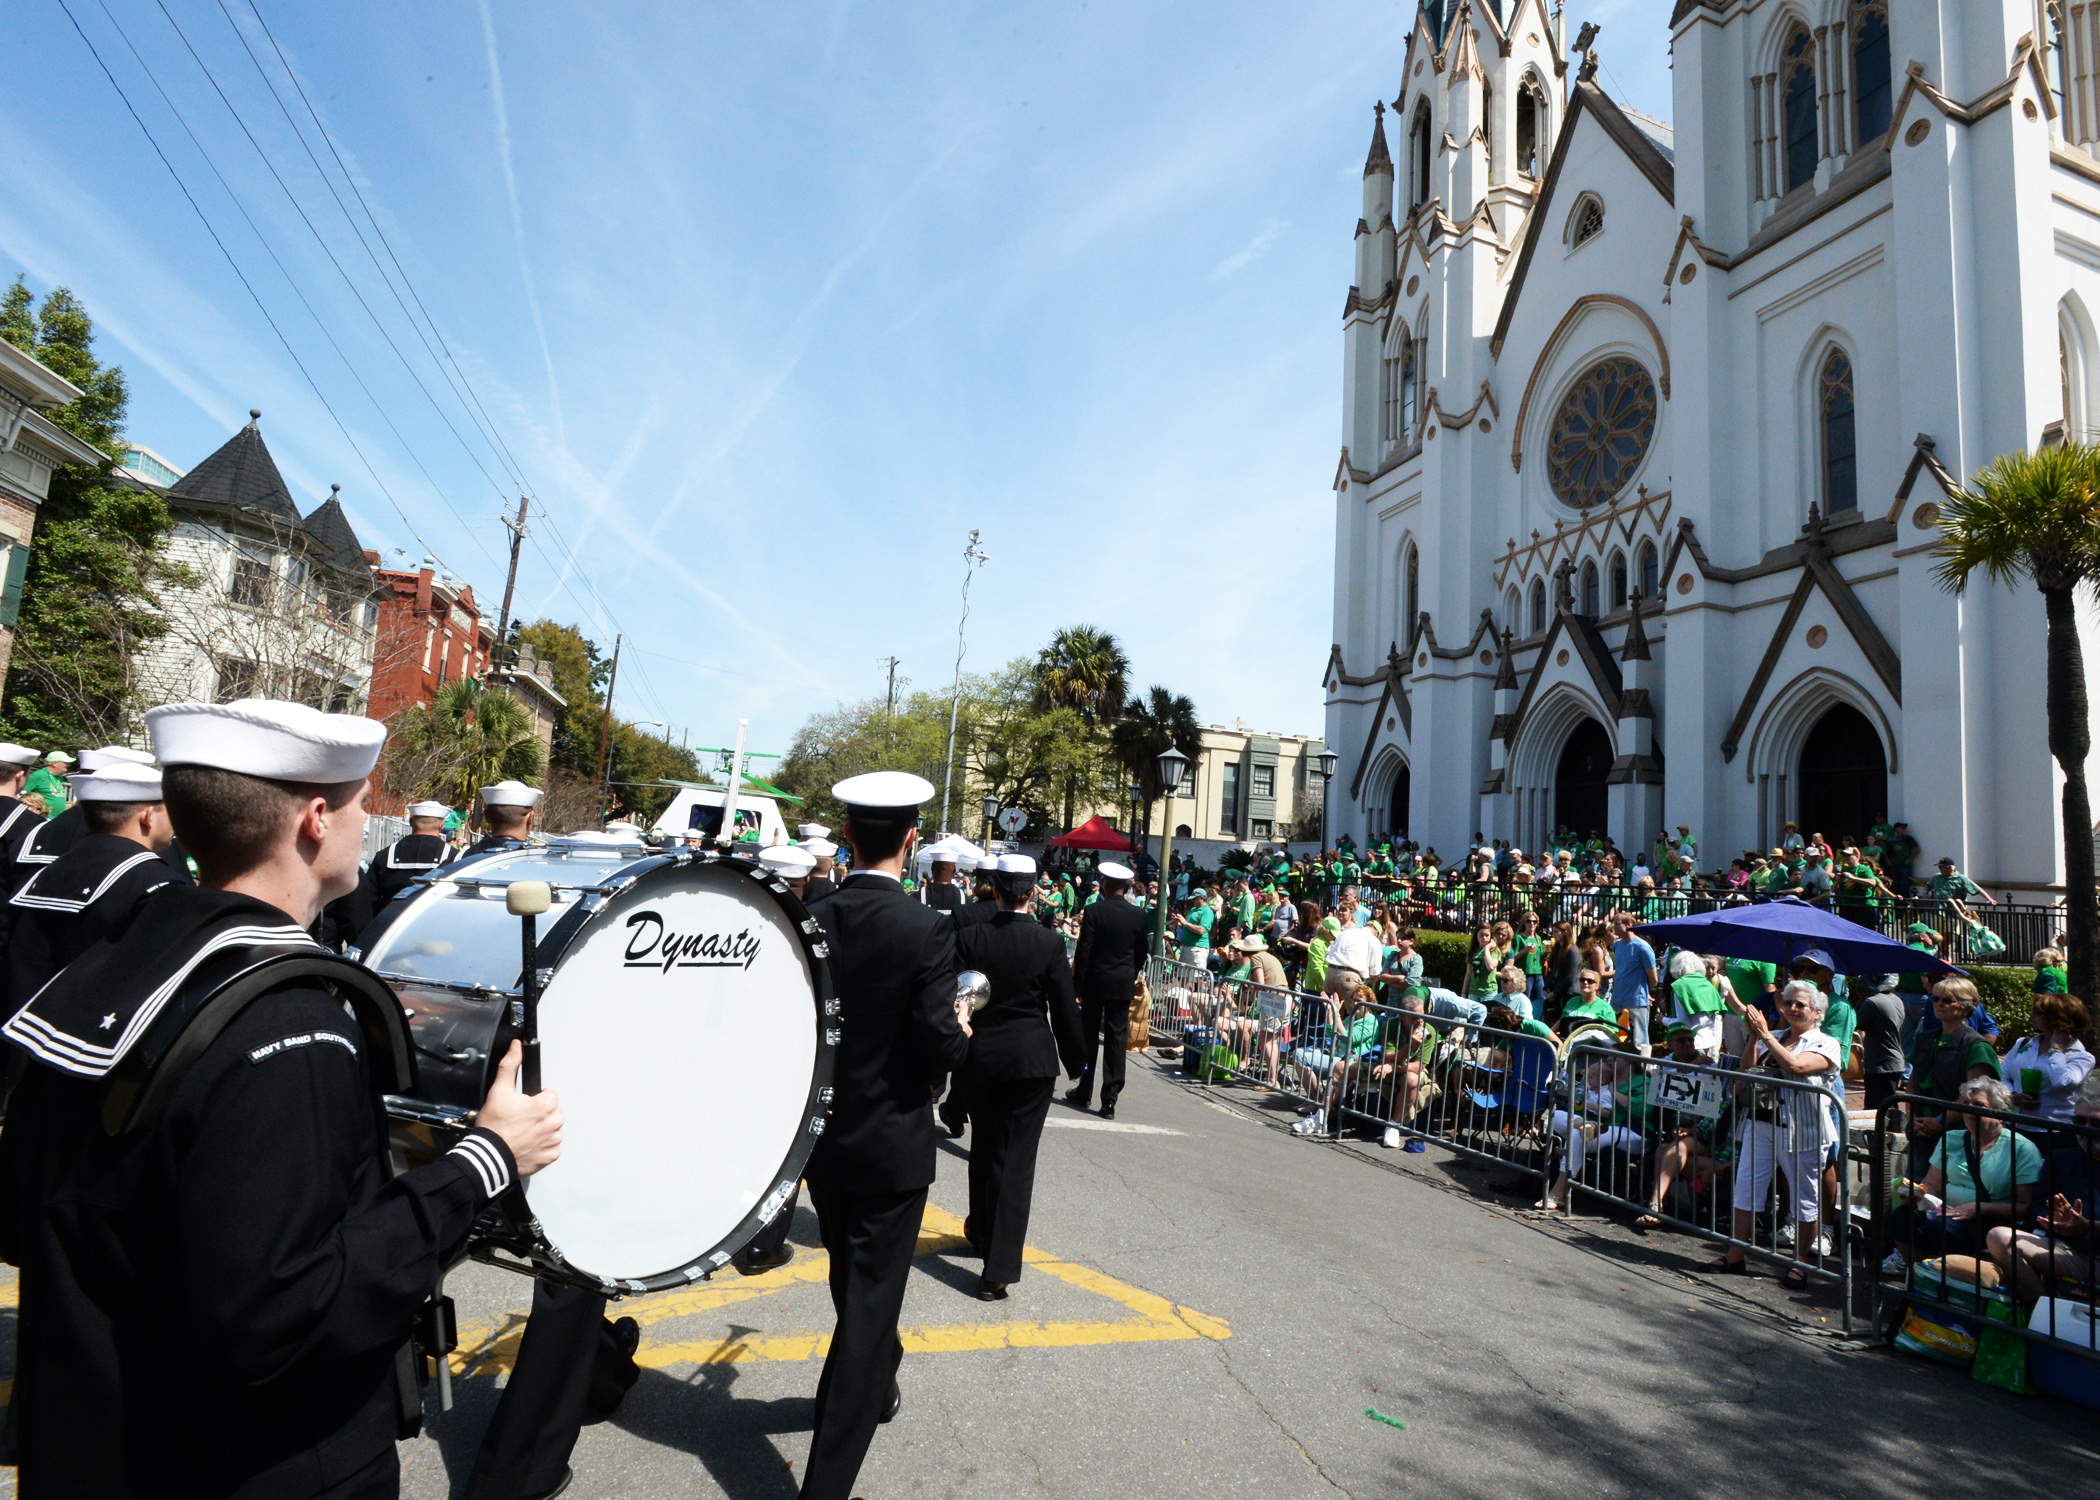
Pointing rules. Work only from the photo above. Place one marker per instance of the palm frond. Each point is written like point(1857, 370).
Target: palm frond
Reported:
point(2026, 515)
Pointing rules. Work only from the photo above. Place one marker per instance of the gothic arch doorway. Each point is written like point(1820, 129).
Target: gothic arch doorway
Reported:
point(1580, 800)
point(1844, 777)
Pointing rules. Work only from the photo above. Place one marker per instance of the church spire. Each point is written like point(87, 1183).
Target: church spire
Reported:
point(1380, 159)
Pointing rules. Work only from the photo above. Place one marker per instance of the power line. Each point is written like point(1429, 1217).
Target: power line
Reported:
point(241, 275)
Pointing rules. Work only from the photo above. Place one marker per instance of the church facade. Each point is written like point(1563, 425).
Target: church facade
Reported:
point(1646, 430)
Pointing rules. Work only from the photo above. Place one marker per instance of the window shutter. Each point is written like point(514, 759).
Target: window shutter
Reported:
point(17, 570)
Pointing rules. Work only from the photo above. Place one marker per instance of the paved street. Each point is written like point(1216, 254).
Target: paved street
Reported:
point(1212, 1303)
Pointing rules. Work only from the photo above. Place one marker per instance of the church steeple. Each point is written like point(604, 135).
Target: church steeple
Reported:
point(1374, 231)
point(1380, 159)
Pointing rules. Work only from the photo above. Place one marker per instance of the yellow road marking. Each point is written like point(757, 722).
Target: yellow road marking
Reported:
point(492, 1349)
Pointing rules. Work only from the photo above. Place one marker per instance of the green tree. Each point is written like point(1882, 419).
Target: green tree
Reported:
point(1085, 670)
point(639, 761)
point(864, 736)
point(99, 550)
point(1145, 730)
point(464, 739)
point(2037, 516)
point(580, 674)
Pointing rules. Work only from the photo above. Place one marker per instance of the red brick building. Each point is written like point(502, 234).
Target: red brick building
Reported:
point(431, 632)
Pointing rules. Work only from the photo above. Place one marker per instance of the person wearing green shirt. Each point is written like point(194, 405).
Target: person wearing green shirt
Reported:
point(1898, 851)
point(1483, 964)
point(1698, 1003)
point(1192, 937)
point(1587, 1006)
point(1243, 908)
point(48, 782)
point(1528, 952)
point(1951, 885)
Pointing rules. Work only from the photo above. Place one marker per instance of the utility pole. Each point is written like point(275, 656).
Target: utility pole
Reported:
point(510, 585)
point(605, 730)
point(889, 703)
point(973, 558)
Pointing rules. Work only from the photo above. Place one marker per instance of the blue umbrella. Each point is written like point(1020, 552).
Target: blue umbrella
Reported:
point(1778, 932)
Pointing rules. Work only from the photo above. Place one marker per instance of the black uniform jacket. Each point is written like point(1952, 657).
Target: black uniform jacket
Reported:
point(893, 970)
point(1111, 951)
point(1030, 1022)
point(397, 865)
point(47, 841)
point(18, 820)
point(257, 1264)
point(970, 913)
point(88, 894)
point(944, 896)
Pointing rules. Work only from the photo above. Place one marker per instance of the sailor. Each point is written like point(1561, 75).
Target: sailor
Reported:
point(793, 864)
point(574, 1364)
point(1029, 1024)
point(1105, 966)
point(825, 873)
point(395, 868)
point(893, 968)
point(254, 1264)
point(942, 893)
point(68, 826)
point(92, 891)
point(17, 818)
point(506, 815)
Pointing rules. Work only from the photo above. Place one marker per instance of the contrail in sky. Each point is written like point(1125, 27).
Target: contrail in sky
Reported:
point(517, 220)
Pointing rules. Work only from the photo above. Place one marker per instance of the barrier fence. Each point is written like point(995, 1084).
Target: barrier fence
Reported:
point(1967, 1270)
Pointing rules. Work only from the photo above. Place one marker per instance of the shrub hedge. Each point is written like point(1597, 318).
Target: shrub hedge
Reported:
point(1444, 956)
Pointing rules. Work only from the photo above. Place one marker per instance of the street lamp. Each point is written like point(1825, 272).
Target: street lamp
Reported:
point(1328, 760)
point(1172, 763)
point(1137, 833)
point(991, 811)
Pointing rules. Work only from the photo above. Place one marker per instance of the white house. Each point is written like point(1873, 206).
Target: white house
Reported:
point(1646, 426)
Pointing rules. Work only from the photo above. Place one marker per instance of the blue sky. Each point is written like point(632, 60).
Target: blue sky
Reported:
point(770, 304)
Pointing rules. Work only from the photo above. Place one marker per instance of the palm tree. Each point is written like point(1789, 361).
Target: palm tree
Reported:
point(1143, 734)
point(1084, 669)
point(2037, 515)
point(464, 739)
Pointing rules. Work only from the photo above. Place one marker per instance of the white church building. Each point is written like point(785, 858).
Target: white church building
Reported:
point(1647, 426)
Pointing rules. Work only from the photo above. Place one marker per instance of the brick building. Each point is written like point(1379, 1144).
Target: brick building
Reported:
point(431, 632)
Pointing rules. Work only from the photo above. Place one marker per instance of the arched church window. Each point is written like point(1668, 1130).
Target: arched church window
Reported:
point(1531, 128)
point(1797, 84)
point(1871, 85)
point(1618, 580)
point(1840, 457)
point(1602, 431)
point(1418, 146)
point(1487, 127)
point(1650, 570)
point(1410, 392)
point(1513, 611)
point(1411, 595)
point(1590, 608)
point(1538, 605)
point(1586, 222)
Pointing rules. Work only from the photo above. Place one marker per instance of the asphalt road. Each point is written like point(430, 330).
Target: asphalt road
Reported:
point(1212, 1303)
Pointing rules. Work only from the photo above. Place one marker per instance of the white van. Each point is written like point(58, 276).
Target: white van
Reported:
point(701, 808)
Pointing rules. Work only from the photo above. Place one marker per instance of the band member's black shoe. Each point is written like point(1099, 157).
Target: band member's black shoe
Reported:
point(628, 1334)
point(1108, 1111)
point(758, 1262)
point(1080, 1097)
point(560, 1484)
point(991, 1291)
point(895, 1404)
point(956, 1124)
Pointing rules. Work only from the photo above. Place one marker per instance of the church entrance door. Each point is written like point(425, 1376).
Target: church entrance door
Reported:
point(1579, 796)
point(1844, 777)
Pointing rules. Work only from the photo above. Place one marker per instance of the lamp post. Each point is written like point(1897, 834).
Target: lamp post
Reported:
point(1137, 833)
point(1172, 763)
point(1327, 762)
point(991, 811)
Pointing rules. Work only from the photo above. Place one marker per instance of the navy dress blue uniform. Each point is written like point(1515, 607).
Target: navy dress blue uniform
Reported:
point(47, 841)
point(89, 894)
point(893, 969)
point(18, 820)
point(395, 867)
point(1105, 968)
point(1027, 1026)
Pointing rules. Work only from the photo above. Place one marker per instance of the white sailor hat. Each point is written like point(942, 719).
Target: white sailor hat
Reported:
point(807, 831)
point(788, 861)
point(16, 755)
point(818, 845)
point(262, 737)
point(113, 755)
point(893, 792)
point(622, 825)
point(510, 794)
point(120, 783)
point(1110, 870)
point(427, 809)
point(1014, 864)
point(695, 835)
point(945, 854)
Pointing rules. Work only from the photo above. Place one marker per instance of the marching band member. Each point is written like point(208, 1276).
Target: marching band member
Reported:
point(825, 852)
point(257, 1266)
point(17, 818)
point(1027, 1026)
point(893, 967)
point(506, 815)
point(942, 893)
point(574, 1364)
point(395, 868)
point(1106, 965)
point(68, 826)
point(793, 864)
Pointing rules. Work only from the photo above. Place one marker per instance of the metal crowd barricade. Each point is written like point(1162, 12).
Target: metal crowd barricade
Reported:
point(2030, 1277)
point(1231, 1030)
point(1713, 1151)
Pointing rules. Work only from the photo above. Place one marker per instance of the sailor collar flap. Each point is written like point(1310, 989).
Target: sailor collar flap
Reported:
point(98, 1008)
point(86, 873)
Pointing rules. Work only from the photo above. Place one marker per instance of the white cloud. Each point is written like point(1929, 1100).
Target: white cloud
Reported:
point(1252, 251)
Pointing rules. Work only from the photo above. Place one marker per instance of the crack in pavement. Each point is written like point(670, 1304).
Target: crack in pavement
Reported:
point(1144, 1197)
point(1225, 1360)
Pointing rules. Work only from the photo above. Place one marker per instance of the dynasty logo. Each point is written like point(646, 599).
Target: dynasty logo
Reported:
point(652, 945)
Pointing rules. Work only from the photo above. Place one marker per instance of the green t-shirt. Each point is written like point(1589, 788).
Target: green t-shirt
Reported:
point(1840, 1022)
point(2004, 1165)
point(1535, 1028)
point(50, 788)
point(1195, 928)
point(2052, 981)
point(1481, 980)
point(1955, 887)
point(1749, 978)
point(1243, 908)
point(1525, 953)
point(1379, 869)
point(1598, 1009)
point(1696, 996)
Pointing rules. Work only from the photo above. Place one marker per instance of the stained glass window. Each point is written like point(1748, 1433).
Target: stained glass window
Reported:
point(1840, 450)
point(1602, 432)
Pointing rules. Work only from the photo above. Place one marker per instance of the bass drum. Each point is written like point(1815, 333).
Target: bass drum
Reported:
point(686, 1020)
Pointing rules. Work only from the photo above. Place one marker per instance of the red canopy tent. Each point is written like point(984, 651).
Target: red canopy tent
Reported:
point(1094, 833)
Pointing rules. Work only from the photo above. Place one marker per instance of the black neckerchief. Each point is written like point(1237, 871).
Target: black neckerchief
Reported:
point(97, 1008)
point(87, 872)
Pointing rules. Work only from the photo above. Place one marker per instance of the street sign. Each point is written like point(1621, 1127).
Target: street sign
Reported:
point(1014, 819)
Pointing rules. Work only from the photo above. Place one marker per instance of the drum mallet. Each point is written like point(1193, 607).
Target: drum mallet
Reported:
point(527, 899)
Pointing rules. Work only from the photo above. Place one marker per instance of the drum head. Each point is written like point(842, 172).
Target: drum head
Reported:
point(681, 1029)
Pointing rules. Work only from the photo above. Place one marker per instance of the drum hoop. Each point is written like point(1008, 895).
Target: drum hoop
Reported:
point(542, 1259)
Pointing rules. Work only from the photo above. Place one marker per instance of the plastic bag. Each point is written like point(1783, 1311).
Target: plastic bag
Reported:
point(2001, 1358)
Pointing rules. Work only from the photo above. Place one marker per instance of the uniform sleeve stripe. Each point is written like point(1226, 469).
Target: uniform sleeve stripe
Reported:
point(487, 1162)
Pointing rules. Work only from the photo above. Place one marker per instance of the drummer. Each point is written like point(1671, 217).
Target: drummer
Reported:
point(793, 864)
point(507, 810)
point(259, 1263)
point(1030, 1024)
point(397, 866)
